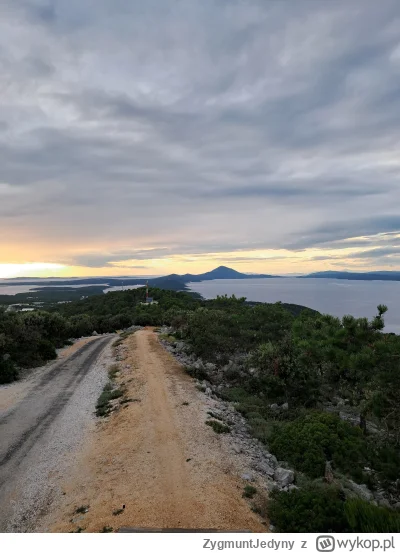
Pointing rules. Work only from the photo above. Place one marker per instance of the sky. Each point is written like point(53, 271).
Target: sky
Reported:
point(177, 135)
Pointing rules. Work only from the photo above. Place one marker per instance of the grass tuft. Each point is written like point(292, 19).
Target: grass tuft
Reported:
point(218, 427)
point(249, 491)
point(103, 406)
point(113, 371)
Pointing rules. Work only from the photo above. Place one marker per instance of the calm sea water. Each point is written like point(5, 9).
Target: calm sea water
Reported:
point(24, 289)
point(336, 297)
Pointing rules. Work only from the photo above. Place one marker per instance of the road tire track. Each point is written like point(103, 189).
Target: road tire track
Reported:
point(25, 430)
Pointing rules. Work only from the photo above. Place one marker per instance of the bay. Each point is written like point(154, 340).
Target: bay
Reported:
point(336, 297)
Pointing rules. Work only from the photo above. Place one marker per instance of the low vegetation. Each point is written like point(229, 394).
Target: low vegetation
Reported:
point(293, 373)
point(315, 438)
point(249, 491)
point(109, 393)
point(331, 512)
point(218, 427)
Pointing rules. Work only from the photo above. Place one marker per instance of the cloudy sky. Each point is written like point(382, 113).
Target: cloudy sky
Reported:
point(176, 135)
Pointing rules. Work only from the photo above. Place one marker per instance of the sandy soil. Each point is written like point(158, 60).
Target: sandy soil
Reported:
point(156, 456)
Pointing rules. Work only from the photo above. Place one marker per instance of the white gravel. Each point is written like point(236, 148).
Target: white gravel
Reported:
point(54, 456)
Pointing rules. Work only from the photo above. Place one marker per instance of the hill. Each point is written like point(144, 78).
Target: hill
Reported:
point(65, 289)
point(221, 273)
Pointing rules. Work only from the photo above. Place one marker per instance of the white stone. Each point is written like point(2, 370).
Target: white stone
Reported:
point(284, 477)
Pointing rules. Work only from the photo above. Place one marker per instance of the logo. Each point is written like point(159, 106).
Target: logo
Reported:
point(325, 544)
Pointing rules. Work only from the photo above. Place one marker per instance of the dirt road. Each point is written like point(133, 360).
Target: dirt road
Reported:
point(39, 427)
point(155, 456)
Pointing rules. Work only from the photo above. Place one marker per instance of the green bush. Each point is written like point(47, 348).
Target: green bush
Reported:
point(364, 517)
point(199, 373)
point(103, 406)
point(249, 491)
point(323, 508)
point(317, 509)
point(8, 371)
point(315, 438)
point(46, 350)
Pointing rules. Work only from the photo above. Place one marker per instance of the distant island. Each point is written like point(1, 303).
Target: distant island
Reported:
point(346, 275)
point(219, 273)
point(54, 290)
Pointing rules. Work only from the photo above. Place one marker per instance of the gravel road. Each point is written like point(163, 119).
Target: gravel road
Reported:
point(39, 435)
point(155, 456)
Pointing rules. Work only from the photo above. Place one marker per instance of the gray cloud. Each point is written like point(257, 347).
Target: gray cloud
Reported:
point(330, 233)
point(199, 127)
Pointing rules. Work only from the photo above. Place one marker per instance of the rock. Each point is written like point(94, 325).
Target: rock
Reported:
point(236, 448)
point(328, 472)
point(274, 406)
point(271, 485)
point(397, 506)
point(266, 469)
point(135, 327)
point(384, 503)
point(361, 490)
point(179, 346)
point(284, 477)
point(285, 406)
point(208, 392)
point(94, 333)
point(247, 477)
point(6, 357)
point(273, 461)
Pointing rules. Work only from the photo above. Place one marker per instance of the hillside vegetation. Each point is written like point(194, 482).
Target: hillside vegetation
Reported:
point(289, 370)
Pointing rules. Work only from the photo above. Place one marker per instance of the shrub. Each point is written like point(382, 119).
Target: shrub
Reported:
point(315, 438)
point(249, 491)
point(103, 406)
point(200, 373)
point(46, 350)
point(364, 517)
point(318, 509)
point(8, 371)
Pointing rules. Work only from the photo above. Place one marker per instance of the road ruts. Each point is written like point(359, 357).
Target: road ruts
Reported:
point(25, 427)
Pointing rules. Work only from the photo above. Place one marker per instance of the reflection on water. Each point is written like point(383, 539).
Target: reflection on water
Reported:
point(24, 289)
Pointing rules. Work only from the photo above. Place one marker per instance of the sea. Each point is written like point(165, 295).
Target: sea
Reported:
point(25, 288)
point(336, 297)
point(359, 298)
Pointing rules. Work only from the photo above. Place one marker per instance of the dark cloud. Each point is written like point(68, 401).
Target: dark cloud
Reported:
point(199, 127)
